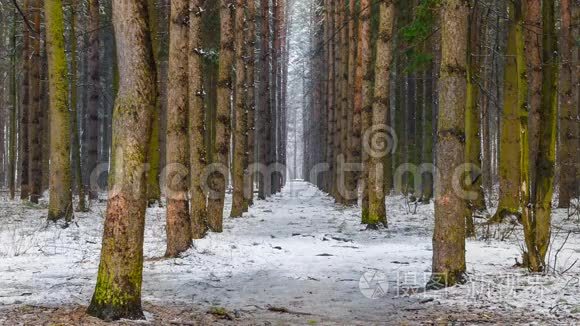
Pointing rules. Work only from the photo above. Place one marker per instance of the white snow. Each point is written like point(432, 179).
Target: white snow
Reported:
point(297, 250)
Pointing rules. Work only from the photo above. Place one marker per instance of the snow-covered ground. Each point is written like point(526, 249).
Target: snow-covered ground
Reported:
point(300, 252)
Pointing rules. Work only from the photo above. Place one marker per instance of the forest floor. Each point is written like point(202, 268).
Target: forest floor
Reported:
point(296, 258)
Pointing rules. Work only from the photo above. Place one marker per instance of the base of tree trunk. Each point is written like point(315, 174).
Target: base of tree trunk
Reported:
point(111, 312)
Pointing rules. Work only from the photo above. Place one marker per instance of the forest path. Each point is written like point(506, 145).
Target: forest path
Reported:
point(296, 252)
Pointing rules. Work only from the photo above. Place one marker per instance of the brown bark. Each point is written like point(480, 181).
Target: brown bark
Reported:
point(178, 224)
point(264, 187)
point(34, 131)
point(363, 93)
point(118, 290)
point(197, 149)
point(24, 112)
point(240, 157)
point(219, 175)
point(449, 233)
point(569, 124)
point(251, 97)
point(94, 94)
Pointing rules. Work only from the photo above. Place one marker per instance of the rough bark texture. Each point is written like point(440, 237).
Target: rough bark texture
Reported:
point(76, 145)
point(13, 112)
point(218, 178)
point(354, 114)
point(473, 119)
point(510, 145)
point(154, 156)
point(34, 131)
point(548, 134)
point(94, 94)
point(118, 290)
point(251, 98)
point(449, 233)
point(569, 125)
point(240, 157)
point(264, 186)
point(364, 99)
point(24, 144)
point(377, 211)
point(197, 149)
point(60, 201)
point(178, 224)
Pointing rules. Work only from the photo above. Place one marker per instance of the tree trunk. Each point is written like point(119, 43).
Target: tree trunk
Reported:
point(379, 129)
point(13, 112)
point(197, 149)
point(264, 186)
point(251, 98)
point(364, 95)
point(153, 188)
point(510, 142)
point(569, 125)
point(476, 202)
point(76, 145)
point(240, 157)
point(178, 224)
point(548, 134)
point(60, 201)
point(223, 128)
point(118, 291)
point(24, 112)
point(449, 232)
point(354, 114)
point(34, 131)
point(94, 94)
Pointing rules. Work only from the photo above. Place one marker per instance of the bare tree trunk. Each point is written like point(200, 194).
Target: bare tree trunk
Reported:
point(569, 124)
point(13, 111)
point(34, 131)
point(449, 233)
point(240, 157)
point(178, 224)
point(223, 128)
point(118, 291)
point(197, 149)
point(251, 98)
point(377, 211)
point(94, 94)
point(76, 145)
point(60, 188)
point(264, 180)
point(24, 112)
point(364, 93)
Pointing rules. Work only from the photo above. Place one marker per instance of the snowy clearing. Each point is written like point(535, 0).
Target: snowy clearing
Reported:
point(295, 258)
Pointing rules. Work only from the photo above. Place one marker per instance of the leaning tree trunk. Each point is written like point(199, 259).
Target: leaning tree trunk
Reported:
point(219, 174)
point(449, 232)
point(118, 291)
point(196, 127)
point(94, 94)
point(240, 157)
point(178, 224)
point(60, 184)
point(379, 129)
point(34, 131)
